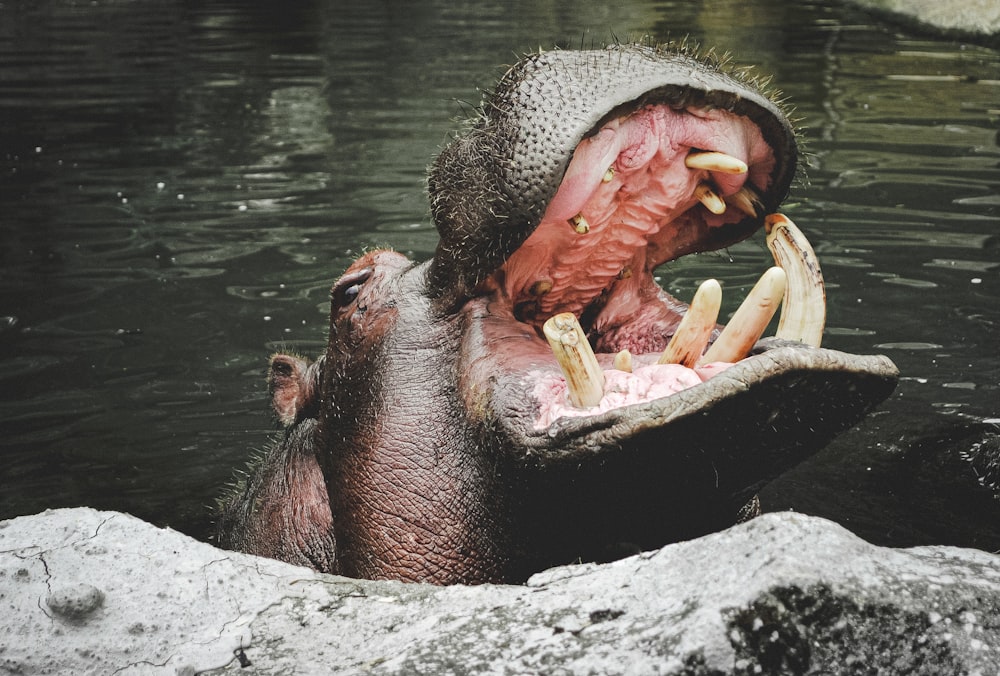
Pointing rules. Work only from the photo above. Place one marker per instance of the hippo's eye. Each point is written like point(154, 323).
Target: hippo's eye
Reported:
point(351, 292)
point(348, 287)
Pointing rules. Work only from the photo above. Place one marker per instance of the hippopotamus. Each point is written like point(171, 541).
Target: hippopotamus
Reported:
point(530, 396)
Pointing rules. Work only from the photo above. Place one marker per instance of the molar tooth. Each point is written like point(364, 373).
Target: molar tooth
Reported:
point(580, 224)
point(704, 193)
point(541, 287)
point(745, 200)
point(623, 361)
point(608, 175)
point(750, 319)
point(691, 337)
point(803, 314)
point(584, 378)
point(713, 161)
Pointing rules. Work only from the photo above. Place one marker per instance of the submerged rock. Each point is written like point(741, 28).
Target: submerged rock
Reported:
point(784, 593)
point(974, 19)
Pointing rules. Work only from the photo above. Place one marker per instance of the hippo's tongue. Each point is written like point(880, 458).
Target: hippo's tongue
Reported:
point(587, 389)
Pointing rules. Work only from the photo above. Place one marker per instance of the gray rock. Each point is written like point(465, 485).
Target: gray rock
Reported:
point(784, 593)
point(969, 18)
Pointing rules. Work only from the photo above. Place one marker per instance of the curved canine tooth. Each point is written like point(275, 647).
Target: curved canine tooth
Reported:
point(711, 161)
point(608, 175)
point(803, 314)
point(695, 329)
point(707, 196)
point(584, 378)
point(623, 361)
point(745, 200)
point(749, 320)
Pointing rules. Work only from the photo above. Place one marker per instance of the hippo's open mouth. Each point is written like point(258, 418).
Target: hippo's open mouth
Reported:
point(637, 191)
point(579, 347)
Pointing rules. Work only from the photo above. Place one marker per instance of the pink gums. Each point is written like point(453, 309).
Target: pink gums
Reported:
point(645, 383)
point(629, 182)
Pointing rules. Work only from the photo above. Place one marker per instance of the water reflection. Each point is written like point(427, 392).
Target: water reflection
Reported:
point(179, 184)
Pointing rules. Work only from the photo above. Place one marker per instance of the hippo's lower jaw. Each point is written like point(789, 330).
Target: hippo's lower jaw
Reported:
point(586, 388)
point(615, 381)
point(661, 451)
point(690, 445)
point(654, 423)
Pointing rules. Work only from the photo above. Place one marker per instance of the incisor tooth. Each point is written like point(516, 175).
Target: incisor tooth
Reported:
point(803, 314)
point(692, 335)
point(711, 161)
point(608, 175)
point(745, 200)
point(750, 319)
point(704, 193)
point(623, 361)
point(584, 378)
point(580, 224)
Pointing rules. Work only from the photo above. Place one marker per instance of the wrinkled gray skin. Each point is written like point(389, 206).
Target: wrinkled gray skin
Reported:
point(417, 423)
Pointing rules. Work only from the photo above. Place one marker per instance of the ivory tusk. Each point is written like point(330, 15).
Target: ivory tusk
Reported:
point(584, 378)
point(750, 319)
point(713, 161)
point(689, 341)
point(803, 314)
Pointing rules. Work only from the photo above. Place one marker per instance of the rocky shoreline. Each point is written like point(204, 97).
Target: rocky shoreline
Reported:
point(85, 591)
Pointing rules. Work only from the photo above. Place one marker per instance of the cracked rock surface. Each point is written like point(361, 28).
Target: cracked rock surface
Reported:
point(83, 591)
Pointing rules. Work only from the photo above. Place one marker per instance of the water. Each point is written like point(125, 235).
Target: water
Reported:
point(181, 182)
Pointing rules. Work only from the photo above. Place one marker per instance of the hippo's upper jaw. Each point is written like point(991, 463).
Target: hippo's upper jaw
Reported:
point(588, 142)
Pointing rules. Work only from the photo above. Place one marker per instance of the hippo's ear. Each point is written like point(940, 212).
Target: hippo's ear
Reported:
point(294, 387)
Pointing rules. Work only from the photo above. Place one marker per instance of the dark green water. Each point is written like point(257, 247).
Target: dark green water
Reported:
point(180, 183)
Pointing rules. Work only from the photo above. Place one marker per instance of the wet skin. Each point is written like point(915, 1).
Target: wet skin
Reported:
point(415, 448)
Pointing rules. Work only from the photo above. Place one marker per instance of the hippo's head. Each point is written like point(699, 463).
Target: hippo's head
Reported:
point(531, 396)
